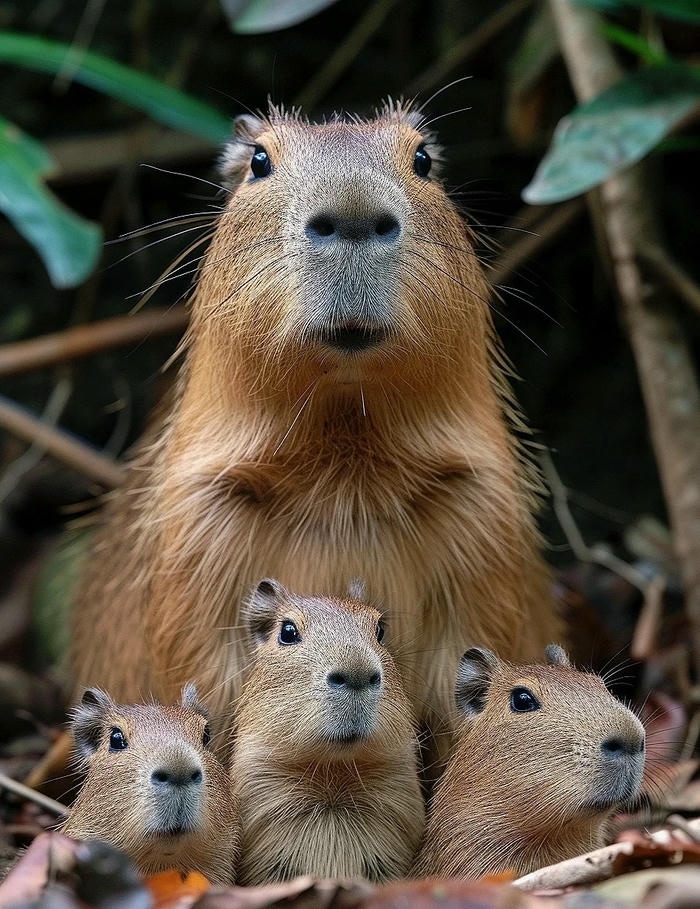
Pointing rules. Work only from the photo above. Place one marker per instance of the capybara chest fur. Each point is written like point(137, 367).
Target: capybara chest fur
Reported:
point(341, 412)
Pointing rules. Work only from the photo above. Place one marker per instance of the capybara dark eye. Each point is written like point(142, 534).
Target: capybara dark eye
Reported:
point(260, 163)
point(206, 735)
point(289, 633)
point(380, 631)
point(117, 740)
point(422, 161)
point(522, 700)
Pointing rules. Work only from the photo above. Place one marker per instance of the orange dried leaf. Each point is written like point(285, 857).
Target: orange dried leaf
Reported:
point(173, 885)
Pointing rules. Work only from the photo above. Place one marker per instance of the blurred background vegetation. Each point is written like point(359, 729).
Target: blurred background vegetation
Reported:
point(121, 168)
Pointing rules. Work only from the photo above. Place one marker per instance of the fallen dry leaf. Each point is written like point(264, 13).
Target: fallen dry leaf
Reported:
point(301, 893)
point(636, 850)
point(172, 887)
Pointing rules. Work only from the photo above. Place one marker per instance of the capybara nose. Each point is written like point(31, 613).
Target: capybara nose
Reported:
point(327, 228)
point(618, 747)
point(355, 680)
point(181, 776)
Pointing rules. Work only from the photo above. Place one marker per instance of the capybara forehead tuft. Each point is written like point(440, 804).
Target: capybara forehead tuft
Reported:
point(150, 723)
point(332, 613)
point(561, 683)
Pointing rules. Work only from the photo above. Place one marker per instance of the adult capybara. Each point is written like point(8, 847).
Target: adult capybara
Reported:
point(341, 411)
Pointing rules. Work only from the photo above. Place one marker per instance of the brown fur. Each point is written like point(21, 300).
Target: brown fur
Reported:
point(326, 775)
point(120, 803)
point(524, 790)
point(284, 456)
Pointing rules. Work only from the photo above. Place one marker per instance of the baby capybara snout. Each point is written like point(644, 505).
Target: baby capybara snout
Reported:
point(354, 692)
point(176, 784)
point(621, 761)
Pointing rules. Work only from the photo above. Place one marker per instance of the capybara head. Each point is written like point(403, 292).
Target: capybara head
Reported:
point(544, 756)
point(153, 787)
point(559, 744)
point(339, 247)
point(321, 684)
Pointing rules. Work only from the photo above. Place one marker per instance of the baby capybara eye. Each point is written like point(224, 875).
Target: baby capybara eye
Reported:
point(289, 634)
point(522, 700)
point(422, 161)
point(260, 163)
point(117, 740)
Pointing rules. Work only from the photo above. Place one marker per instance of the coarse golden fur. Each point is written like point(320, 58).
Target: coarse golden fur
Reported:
point(324, 763)
point(529, 785)
point(341, 412)
point(160, 795)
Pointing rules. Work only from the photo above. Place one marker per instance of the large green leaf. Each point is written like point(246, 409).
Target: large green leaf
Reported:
point(257, 16)
point(68, 244)
point(613, 131)
point(163, 103)
point(688, 10)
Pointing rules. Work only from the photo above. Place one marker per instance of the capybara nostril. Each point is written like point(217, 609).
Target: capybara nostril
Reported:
point(327, 228)
point(619, 747)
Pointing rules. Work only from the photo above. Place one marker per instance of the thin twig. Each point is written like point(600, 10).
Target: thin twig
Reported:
point(529, 244)
point(691, 737)
point(60, 445)
point(85, 157)
point(59, 397)
point(86, 340)
point(344, 54)
point(595, 554)
point(468, 46)
point(31, 795)
point(676, 277)
point(645, 631)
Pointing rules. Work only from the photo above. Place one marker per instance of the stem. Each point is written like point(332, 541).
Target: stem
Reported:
point(666, 373)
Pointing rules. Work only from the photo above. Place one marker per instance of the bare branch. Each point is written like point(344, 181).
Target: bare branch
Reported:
point(60, 445)
point(664, 362)
point(86, 340)
point(31, 795)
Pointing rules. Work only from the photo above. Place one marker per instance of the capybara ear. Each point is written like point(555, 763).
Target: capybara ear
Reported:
point(190, 699)
point(235, 158)
point(88, 720)
point(556, 655)
point(473, 679)
point(260, 613)
point(356, 589)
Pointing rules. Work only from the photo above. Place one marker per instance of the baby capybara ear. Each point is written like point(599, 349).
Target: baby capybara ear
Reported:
point(88, 721)
point(356, 589)
point(190, 699)
point(473, 679)
point(556, 655)
point(261, 610)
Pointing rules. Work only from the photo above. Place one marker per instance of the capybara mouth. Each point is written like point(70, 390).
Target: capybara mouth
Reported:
point(353, 338)
point(173, 830)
